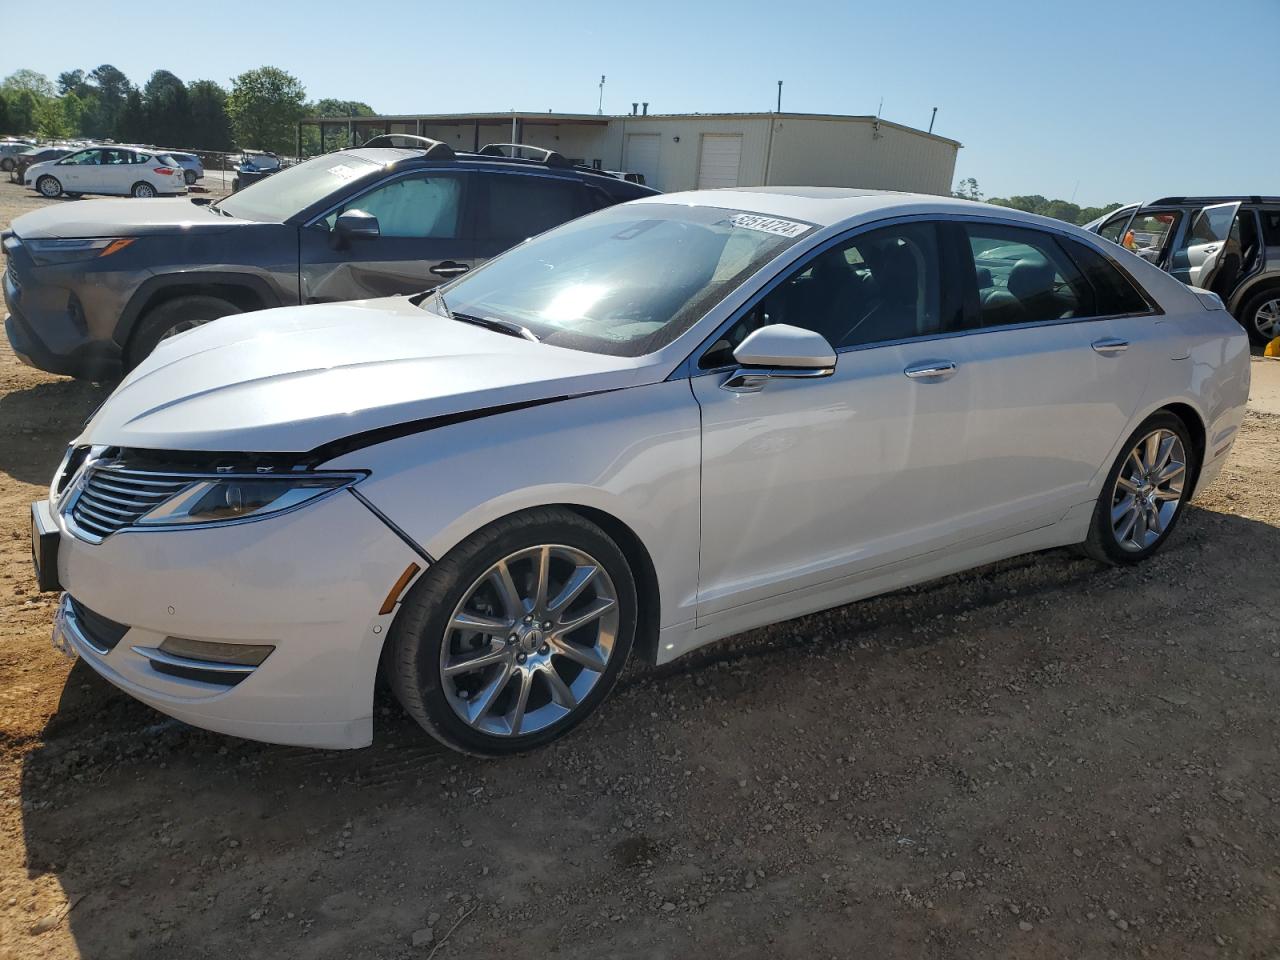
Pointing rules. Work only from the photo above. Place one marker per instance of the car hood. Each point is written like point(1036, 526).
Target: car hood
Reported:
point(118, 218)
point(296, 378)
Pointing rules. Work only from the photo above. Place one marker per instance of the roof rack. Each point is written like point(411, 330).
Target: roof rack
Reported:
point(1242, 198)
point(433, 149)
point(516, 151)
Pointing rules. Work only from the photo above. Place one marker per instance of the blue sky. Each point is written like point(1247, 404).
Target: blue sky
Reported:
point(1107, 101)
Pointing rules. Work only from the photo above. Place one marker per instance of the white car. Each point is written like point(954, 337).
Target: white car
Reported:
point(123, 171)
point(192, 167)
point(655, 426)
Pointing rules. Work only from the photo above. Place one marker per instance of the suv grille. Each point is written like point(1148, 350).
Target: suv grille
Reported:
point(112, 498)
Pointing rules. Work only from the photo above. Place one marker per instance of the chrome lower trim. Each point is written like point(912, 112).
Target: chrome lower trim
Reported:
point(67, 619)
point(156, 655)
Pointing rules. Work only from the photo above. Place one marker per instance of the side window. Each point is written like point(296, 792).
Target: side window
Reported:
point(1149, 233)
point(1112, 228)
point(1024, 276)
point(115, 157)
point(518, 207)
point(1270, 227)
point(412, 207)
point(1114, 293)
point(879, 286)
point(84, 157)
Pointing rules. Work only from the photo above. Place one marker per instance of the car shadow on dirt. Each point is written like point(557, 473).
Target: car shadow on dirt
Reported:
point(165, 838)
point(41, 419)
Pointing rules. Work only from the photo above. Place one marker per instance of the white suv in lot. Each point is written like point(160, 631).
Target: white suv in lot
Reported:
point(120, 171)
point(657, 425)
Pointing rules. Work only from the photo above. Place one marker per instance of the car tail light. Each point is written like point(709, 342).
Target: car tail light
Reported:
point(164, 171)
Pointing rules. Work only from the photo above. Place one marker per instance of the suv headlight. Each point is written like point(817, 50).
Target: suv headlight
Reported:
point(243, 498)
point(46, 252)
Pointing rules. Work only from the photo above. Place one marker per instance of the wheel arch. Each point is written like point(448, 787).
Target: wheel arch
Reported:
point(1263, 283)
point(246, 292)
point(1195, 425)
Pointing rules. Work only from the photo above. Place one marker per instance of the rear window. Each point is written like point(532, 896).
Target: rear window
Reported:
point(517, 207)
point(1114, 292)
point(1270, 227)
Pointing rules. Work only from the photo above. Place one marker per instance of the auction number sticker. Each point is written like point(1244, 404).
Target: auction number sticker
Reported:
point(343, 172)
point(775, 225)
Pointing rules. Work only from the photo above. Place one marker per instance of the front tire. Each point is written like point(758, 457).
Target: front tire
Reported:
point(143, 190)
point(171, 318)
point(517, 635)
point(49, 187)
point(1145, 492)
point(1260, 316)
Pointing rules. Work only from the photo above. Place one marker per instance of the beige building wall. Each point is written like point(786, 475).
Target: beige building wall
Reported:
point(854, 153)
point(680, 146)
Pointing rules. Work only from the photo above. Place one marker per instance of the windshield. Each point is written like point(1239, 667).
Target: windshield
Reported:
point(624, 281)
point(280, 196)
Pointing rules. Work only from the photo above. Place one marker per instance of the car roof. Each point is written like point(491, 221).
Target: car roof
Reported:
point(384, 156)
point(828, 206)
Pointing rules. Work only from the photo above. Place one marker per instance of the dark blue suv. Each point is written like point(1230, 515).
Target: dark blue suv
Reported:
point(92, 286)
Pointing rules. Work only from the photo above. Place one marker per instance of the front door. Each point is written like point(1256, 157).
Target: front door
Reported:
point(1207, 246)
point(423, 241)
point(81, 171)
point(810, 481)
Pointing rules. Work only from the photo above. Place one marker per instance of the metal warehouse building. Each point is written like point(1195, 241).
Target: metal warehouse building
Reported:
point(691, 150)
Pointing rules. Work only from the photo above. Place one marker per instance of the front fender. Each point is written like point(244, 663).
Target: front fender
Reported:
point(632, 453)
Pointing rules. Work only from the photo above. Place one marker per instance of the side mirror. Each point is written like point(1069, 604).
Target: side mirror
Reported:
point(780, 351)
point(355, 224)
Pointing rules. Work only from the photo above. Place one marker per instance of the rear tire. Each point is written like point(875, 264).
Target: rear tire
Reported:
point(171, 318)
point(1145, 492)
point(143, 190)
point(544, 662)
point(7, 164)
point(1260, 316)
point(49, 187)
point(189, 176)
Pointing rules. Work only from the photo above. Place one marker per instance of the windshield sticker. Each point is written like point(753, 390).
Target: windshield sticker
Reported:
point(343, 172)
point(774, 225)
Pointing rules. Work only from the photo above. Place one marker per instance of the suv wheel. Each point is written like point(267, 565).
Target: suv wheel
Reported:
point(1261, 316)
point(172, 318)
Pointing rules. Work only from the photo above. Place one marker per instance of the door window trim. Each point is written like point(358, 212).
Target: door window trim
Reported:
point(689, 367)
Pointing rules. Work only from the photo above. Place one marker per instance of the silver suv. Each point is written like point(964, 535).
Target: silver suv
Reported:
point(1230, 245)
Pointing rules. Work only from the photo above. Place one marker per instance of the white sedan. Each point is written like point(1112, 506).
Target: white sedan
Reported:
point(650, 428)
point(120, 171)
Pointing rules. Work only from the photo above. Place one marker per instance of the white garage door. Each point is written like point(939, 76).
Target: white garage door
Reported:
point(642, 156)
point(721, 154)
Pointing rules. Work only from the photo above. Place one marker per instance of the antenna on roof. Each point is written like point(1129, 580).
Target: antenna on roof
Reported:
point(875, 127)
point(933, 117)
point(779, 96)
point(600, 105)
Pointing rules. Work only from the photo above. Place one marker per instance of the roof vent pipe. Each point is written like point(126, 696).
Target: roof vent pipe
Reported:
point(646, 108)
point(635, 108)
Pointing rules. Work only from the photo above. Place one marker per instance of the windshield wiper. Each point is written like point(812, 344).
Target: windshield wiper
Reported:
point(508, 327)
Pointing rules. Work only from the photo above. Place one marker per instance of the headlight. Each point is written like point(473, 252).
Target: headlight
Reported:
point(243, 498)
point(45, 252)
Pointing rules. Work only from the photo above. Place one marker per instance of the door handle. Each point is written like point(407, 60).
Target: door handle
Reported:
point(931, 370)
point(449, 268)
point(1110, 346)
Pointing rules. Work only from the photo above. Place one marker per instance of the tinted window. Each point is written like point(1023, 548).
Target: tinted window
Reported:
point(1024, 276)
point(1270, 227)
point(519, 207)
point(411, 207)
point(882, 285)
point(1114, 292)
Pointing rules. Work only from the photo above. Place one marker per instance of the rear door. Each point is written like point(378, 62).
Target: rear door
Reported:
point(1053, 382)
point(424, 240)
point(120, 170)
point(1206, 246)
point(513, 206)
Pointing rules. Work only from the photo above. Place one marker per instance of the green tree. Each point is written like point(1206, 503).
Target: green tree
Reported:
point(967, 189)
point(73, 81)
point(36, 83)
point(210, 127)
point(131, 121)
point(108, 90)
point(73, 108)
point(168, 110)
point(334, 139)
point(6, 124)
point(264, 106)
point(51, 122)
point(1059, 209)
point(22, 111)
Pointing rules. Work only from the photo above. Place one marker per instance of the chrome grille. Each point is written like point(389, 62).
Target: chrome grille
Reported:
point(111, 498)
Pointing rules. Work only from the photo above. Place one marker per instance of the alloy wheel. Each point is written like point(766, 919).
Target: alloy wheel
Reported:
point(529, 640)
point(1267, 320)
point(1148, 490)
point(144, 191)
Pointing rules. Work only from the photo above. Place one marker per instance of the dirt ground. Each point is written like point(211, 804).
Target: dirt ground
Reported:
point(1041, 758)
